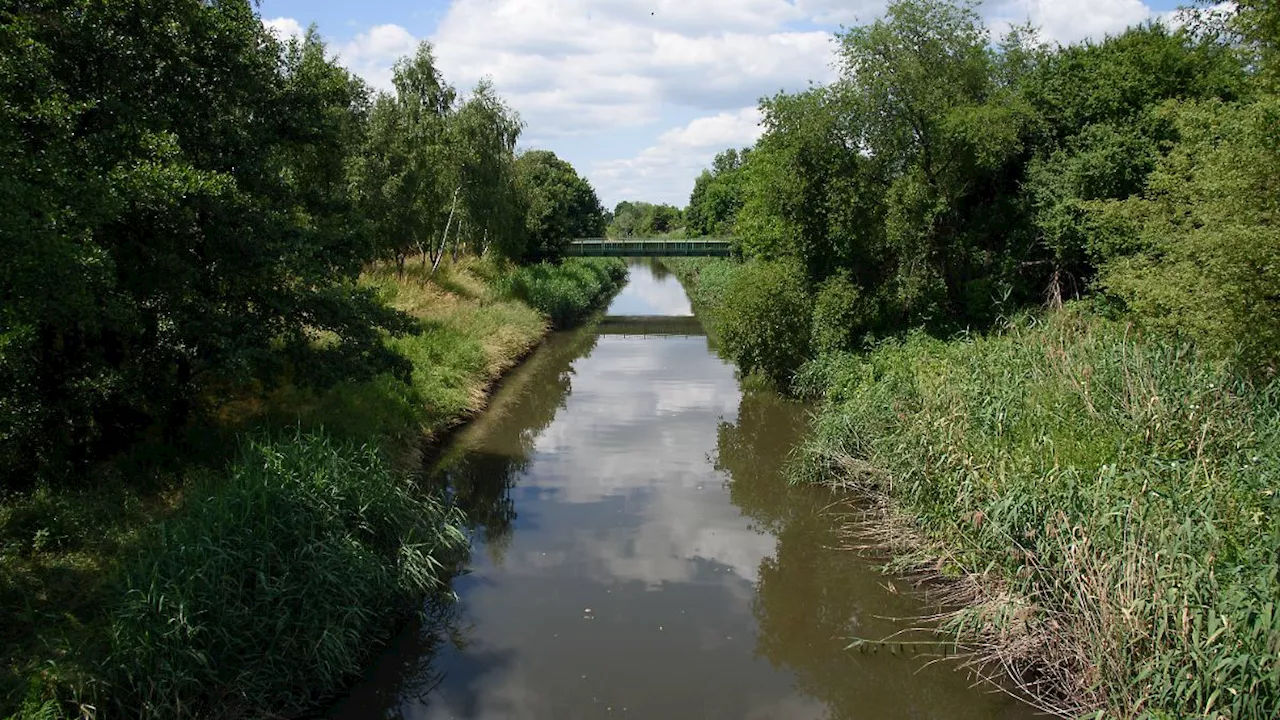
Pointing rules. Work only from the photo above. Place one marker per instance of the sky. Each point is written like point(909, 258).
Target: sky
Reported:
point(639, 95)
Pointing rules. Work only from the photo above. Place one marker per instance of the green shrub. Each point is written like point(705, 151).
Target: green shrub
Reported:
point(705, 280)
point(568, 292)
point(1209, 266)
point(840, 316)
point(1117, 497)
point(762, 321)
point(269, 585)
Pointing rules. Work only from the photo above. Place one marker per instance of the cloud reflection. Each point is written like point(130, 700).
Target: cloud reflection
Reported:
point(649, 294)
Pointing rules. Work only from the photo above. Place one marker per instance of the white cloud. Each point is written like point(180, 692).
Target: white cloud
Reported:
point(284, 28)
point(842, 12)
point(1068, 21)
point(577, 67)
point(665, 171)
point(372, 53)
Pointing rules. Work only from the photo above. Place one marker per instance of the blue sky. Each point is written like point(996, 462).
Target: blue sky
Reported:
point(640, 94)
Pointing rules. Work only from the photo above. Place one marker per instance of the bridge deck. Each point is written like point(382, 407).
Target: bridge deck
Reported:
point(650, 247)
point(650, 325)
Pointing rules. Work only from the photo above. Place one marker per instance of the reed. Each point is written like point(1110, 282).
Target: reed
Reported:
point(266, 588)
point(1102, 507)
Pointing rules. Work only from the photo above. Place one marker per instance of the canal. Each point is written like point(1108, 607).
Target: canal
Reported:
point(637, 553)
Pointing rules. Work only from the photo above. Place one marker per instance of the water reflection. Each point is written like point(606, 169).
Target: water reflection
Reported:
point(638, 552)
point(811, 596)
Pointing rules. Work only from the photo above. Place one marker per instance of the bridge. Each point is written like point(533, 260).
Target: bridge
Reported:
point(650, 247)
point(646, 325)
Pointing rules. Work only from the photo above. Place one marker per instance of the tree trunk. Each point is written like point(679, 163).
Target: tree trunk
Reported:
point(457, 240)
point(453, 206)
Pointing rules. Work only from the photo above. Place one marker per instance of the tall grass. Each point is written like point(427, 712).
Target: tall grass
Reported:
point(568, 292)
point(1106, 507)
point(268, 586)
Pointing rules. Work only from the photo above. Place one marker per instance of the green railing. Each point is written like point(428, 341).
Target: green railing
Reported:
point(650, 247)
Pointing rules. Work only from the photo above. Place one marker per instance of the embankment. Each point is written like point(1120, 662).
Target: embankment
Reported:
point(256, 584)
point(1102, 505)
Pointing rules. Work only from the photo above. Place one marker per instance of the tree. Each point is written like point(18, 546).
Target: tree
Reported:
point(561, 205)
point(1206, 258)
point(485, 131)
point(174, 215)
point(1101, 132)
point(807, 192)
point(643, 219)
point(406, 179)
point(717, 196)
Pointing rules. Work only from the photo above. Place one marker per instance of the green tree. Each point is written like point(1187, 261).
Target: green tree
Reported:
point(763, 321)
point(808, 194)
point(922, 84)
point(493, 212)
point(1101, 133)
point(174, 214)
point(717, 196)
point(561, 205)
point(1207, 261)
point(408, 177)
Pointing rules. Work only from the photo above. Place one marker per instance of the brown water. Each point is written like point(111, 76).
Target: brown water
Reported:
point(637, 554)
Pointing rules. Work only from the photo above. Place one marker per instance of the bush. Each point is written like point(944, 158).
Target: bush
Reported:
point(270, 584)
point(1210, 262)
point(1113, 500)
point(568, 292)
point(840, 316)
point(763, 318)
point(705, 280)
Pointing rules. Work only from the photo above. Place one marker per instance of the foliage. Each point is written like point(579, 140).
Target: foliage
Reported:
point(561, 205)
point(1207, 262)
point(717, 196)
point(759, 313)
point(174, 212)
point(1111, 498)
point(59, 546)
point(492, 206)
point(318, 540)
point(188, 207)
point(841, 316)
point(951, 176)
point(404, 177)
point(1103, 131)
point(566, 293)
point(1101, 496)
point(642, 219)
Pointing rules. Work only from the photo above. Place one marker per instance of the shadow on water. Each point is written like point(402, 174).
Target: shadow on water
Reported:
point(812, 595)
point(480, 481)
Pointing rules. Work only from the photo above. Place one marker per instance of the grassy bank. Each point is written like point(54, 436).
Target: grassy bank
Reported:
point(253, 580)
point(1101, 504)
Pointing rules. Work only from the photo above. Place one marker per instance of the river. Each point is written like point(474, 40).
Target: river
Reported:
point(637, 553)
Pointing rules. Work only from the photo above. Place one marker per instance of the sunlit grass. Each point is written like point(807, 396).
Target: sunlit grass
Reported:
point(1104, 505)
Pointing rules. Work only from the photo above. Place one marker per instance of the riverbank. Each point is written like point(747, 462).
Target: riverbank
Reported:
point(1101, 504)
point(255, 578)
